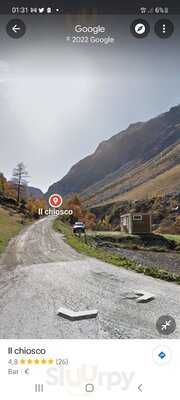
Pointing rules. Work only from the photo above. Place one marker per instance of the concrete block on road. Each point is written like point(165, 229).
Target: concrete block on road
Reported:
point(140, 296)
point(76, 316)
point(144, 297)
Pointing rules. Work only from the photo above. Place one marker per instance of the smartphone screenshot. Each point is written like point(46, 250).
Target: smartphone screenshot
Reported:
point(89, 200)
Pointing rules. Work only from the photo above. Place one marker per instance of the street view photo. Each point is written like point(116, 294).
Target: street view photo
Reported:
point(89, 186)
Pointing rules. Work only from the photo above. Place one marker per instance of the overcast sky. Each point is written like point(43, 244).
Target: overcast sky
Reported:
point(58, 102)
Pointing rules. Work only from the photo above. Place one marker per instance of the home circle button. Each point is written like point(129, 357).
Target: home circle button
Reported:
point(89, 388)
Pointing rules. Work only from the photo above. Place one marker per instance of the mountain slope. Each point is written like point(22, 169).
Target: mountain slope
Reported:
point(159, 175)
point(126, 160)
point(34, 192)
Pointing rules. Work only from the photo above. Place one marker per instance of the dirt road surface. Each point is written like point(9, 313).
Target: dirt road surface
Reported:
point(40, 273)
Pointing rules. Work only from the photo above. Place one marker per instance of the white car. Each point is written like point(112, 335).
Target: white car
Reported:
point(79, 227)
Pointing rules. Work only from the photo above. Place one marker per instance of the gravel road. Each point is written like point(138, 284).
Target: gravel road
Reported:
point(40, 273)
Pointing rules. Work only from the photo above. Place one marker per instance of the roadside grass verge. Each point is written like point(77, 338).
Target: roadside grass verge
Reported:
point(176, 238)
point(90, 249)
point(10, 226)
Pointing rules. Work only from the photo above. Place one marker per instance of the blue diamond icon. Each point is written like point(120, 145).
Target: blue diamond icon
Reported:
point(162, 355)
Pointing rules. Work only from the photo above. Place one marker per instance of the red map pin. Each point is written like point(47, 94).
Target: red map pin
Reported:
point(55, 200)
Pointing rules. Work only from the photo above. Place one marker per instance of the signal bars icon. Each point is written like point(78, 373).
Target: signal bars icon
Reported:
point(154, 10)
point(145, 10)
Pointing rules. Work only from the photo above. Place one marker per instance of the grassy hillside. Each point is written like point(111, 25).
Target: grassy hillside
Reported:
point(127, 160)
point(162, 184)
point(157, 176)
point(10, 225)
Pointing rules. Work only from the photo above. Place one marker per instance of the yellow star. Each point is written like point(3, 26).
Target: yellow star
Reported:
point(36, 361)
point(22, 361)
point(30, 361)
point(50, 361)
point(43, 361)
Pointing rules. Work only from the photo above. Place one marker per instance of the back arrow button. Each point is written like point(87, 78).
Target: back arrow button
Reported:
point(16, 28)
point(140, 387)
